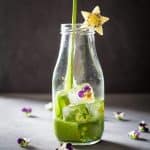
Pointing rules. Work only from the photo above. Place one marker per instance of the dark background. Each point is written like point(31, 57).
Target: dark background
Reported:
point(29, 43)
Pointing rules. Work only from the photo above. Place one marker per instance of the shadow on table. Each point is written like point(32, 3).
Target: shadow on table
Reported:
point(106, 145)
point(33, 116)
point(31, 148)
point(113, 119)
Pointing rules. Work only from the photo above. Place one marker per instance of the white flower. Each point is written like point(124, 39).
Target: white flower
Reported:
point(49, 106)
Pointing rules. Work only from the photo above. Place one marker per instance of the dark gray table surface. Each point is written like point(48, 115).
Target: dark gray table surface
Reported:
point(39, 128)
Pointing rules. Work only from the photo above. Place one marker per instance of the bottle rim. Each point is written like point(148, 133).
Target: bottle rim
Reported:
point(67, 28)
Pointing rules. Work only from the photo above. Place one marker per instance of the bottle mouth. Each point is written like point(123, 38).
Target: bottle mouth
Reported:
point(75, 28)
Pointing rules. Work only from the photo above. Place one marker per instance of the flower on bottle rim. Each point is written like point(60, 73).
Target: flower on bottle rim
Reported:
point(49, 106)
point(27, 111)
point(94, 20)
point(119, 115)
point(135, 134)
point(65, 146)
point(23, 142)
point(143, 127)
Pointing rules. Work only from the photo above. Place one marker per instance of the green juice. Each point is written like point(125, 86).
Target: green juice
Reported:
point(78, 123)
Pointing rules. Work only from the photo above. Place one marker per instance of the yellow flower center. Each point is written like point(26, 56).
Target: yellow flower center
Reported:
point(94, 20)
point(88, 95)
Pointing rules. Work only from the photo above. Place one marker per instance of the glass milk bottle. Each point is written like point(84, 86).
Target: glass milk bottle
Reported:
point(78, 88)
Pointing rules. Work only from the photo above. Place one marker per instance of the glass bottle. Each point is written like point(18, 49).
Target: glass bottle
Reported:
point(78, 88)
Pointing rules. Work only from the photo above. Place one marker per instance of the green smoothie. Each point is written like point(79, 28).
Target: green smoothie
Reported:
point(81, 122)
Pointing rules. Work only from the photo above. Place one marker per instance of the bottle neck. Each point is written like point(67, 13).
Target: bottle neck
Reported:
point(75, 28)
point(78, 41)
point(77, 38)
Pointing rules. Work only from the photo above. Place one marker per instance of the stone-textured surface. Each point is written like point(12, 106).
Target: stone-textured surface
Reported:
point(29, 43)
point(14, 124)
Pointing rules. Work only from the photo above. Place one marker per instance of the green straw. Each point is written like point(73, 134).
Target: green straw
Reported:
point(74, 11)
point(69, 73)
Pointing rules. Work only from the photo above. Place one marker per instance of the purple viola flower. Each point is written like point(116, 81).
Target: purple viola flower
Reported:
point(119, 115)
point(65, 146)
point(143, 127)
point(69, 146)
point(87, 88)
point(135, 134)
point(23, 142)
point(142, 123)
point(81, 93)
point(24, 109)
point(27, 111)
point(19, 140)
